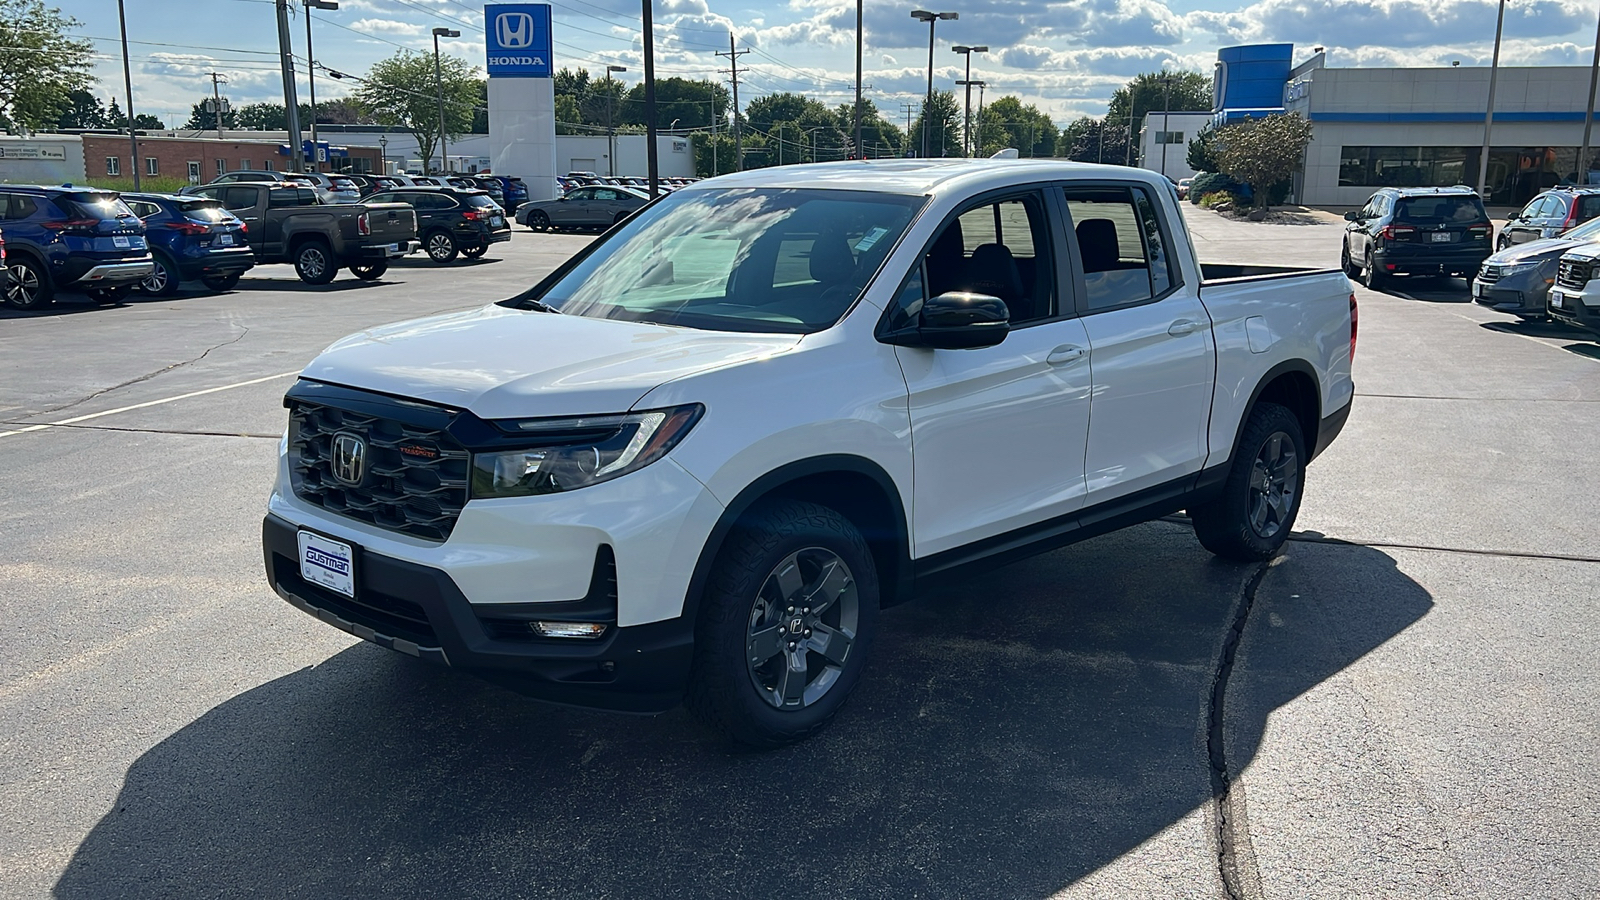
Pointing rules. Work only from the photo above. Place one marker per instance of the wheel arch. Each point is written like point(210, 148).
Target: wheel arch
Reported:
point(32, 255)
point(856, 487)
point(1293, 384)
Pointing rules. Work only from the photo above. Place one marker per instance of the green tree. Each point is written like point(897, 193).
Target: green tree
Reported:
point(879, 136)
point(116, 118)
point(1263, 153)
point(764, 112)
point(1202, 155)
point(400, 91)
point(691, 103)
point(83, 110)
point(942, 117)
point(40, 65)
point(1146, 93)
point(203, 119)
point(1008, 122)
point(1093, 141)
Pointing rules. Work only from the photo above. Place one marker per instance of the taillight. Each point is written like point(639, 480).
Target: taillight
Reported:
point(1480, 231)
point(190, 226)
point(76, 226)
point(363, 224)
point(1397, 232)
point(244, 226)
point(473, 215)
point(1355, 319)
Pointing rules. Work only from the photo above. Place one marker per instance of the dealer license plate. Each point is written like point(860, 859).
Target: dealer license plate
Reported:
point(224, 240)
point(120, 241)
point(328, 563)
point(1478, 289)
point(1441, 237)
point(1557, 298)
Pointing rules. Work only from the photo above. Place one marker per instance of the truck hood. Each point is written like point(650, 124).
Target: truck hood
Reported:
point(504, 363)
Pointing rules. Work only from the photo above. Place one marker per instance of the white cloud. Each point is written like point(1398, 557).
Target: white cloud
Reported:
point(387, 26)
point(1387, 23)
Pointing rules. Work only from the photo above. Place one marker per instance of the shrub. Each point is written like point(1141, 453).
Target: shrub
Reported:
point(1210, 183)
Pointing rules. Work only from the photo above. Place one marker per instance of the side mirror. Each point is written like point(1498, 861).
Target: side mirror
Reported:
point(1352, 216)
point(958, 320)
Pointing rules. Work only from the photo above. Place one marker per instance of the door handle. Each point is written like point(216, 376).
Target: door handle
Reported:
point(1182, 327)
point(1064, 354)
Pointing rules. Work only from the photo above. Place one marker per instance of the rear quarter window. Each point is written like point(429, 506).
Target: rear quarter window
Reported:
point(480, 200)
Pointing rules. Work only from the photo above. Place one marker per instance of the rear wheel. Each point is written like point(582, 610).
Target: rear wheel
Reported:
point(785, 623)
point(224, 282)
point(29, 288)
point(313, 262)
point(620, 218)
point(441, 247)
point(1370, 276)
point(370, 271)
point(474, 252)
point(1261, 498)
point(163, 278)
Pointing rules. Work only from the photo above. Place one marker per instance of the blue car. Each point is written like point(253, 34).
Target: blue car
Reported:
point(191, 238)
point(68, 238)
point(514, 190)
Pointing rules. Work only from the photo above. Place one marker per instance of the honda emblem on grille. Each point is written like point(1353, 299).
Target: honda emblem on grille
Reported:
point(349, 461)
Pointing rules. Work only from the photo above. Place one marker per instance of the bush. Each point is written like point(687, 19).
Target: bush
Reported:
point(153, 184)
point(1210, 183)
point(1217, 199)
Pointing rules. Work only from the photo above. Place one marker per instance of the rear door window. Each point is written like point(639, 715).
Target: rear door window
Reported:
point(1116, 253)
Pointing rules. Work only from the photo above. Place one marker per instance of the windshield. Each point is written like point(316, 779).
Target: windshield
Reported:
point(1440, 210)
point(788, 261)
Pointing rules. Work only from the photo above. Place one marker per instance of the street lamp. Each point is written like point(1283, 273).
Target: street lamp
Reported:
point(966, 138)
point(611, 117)
point(311, 76)
point(1166, 110)
point(438, 86)
point(383, 155)
point(932, 18)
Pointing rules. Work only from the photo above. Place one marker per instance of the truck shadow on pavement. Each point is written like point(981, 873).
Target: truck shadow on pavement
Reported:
point(1015, 733)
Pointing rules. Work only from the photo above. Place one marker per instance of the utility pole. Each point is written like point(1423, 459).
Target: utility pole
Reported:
point(1488, 115)
point(127, 83)
point(291, 103)
point(311, 77)
point(217, 79)
point(1588, 112)
point(438, 87)
point(860, 151)
point(733, 75)
point(652, 162)
point(611, 121)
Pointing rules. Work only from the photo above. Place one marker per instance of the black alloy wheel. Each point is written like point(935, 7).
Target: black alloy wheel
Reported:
point(1348, 267)
point(29, 288)
point(538, 221)
point(1370, 276)
point(1252, 517)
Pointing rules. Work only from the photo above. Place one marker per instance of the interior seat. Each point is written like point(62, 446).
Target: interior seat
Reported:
point(1097, 242)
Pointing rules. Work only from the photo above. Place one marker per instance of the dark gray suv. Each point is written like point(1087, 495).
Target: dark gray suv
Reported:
point(1517, 279)
point(1549, 214)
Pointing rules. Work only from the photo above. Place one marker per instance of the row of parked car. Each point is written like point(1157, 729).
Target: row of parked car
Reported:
point(106, 244)
point(341, 187)
point(1537, 267)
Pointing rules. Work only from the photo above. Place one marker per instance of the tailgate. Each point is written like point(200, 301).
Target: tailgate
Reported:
point(391, 222)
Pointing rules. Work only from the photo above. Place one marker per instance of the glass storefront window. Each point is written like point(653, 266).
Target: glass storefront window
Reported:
point(1515, 174)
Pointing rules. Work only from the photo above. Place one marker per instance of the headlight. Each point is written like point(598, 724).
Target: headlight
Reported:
point(567, 454)
point(1517, 269)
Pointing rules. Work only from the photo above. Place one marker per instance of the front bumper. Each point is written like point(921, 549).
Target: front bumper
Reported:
point(1580, 310)
point(1517, 296)
point(420, 611)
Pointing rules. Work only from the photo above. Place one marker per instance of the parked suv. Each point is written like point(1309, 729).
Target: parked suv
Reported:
point(1517, 279)
point(452, 220)
point(67, 238)
point(1575, 297)
point(1550, 214)
point(190, 238)
point(1416, 231)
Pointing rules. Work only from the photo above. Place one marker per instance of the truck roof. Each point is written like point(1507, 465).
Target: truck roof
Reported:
point(920, 176)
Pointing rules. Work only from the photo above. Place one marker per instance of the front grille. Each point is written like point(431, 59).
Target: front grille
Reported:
point(1489, 274)
point(1573, 273)
point(415, 480)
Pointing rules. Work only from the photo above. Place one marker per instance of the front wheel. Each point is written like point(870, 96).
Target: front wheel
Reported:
point(441, 247)
point(313, 262)
point(1370, 276)
point(538, 221)
point(370, 271)
point(1350, 270)
point(785, 623)
point(1261, 498)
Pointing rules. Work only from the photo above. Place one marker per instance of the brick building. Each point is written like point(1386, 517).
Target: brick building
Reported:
point(201, 159)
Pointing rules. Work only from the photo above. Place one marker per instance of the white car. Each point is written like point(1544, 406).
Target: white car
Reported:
point(329, 188)
point(696, 460)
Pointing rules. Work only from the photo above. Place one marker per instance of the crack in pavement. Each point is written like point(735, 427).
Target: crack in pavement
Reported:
point(1235, 859)
point(176, 431)
point(145, 377)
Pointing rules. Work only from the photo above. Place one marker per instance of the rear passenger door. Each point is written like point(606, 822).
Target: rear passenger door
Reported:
point(1151, 354)
point(1553, 216)
point(997, 432)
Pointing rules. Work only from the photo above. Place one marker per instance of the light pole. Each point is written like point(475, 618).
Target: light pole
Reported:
point(981, 85)
point(438, 86)
point(966, 137)
point(860, 154)
point(968, 84)
point(1488, 115)
point(1166, 109)
point(611, 118)
point(1588, 113)
point(311, 77)
point(127, 83)
point(932, 18)
point(383, 155)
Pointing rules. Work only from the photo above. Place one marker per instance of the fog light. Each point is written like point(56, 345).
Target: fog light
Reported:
point(583, 630)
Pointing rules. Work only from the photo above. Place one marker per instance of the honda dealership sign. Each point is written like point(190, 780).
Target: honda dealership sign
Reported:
point(517, 36)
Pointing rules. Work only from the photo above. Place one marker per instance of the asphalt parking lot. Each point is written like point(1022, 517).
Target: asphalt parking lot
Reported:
point(1405, 704)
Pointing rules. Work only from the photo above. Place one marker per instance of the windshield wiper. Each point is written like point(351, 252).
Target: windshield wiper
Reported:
point(530, 304)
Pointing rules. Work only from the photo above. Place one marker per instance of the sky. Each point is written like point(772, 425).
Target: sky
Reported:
point(1064, 56)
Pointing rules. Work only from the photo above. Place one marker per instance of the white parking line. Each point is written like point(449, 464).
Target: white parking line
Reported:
point(123, 409)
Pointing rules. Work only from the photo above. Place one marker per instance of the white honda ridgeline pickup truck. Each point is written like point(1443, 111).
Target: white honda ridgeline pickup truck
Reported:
point(693, 463)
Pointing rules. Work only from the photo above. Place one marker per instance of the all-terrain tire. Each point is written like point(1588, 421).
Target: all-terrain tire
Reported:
point(1253, 516)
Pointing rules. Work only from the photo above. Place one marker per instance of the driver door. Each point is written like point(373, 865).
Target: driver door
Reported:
point(572, 208)
point(998, 433)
